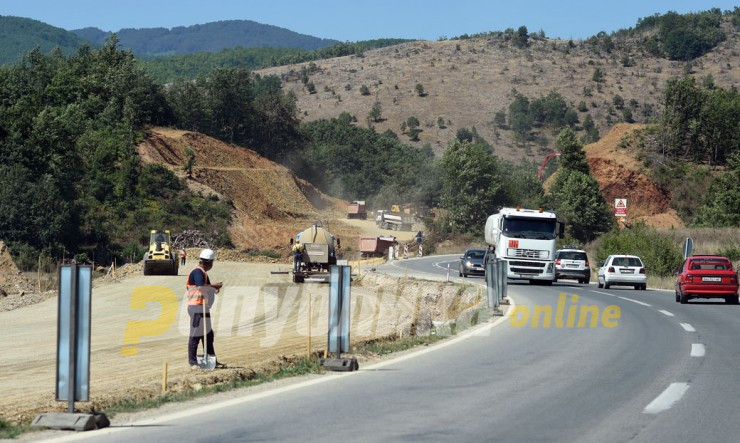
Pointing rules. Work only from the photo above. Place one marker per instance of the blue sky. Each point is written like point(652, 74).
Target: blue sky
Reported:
point(353, 20)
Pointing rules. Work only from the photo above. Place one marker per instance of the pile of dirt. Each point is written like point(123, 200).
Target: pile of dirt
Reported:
point(270, 203)
point(620, 175)
point(12, 280)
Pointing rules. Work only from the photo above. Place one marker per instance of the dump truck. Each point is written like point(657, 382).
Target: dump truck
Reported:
point(357, 209)
point(319, 253)
point(161, 258)
point(376, 246)
point(395, 221)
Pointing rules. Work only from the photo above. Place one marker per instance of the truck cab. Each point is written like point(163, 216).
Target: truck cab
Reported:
point(525, 239)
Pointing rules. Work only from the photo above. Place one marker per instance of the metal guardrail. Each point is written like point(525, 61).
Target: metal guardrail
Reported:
point(496, 281)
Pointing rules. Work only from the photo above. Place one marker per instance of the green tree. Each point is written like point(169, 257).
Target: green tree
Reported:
point(576, 197)
point(420, 90)
point(189, 162)
point(472, 186)
point(572, 156)
point(521, 37)
point(376, 111)
point(364, 90)
point(598, 75)
point(618, 101)
point(721, 207)
point(499, 119)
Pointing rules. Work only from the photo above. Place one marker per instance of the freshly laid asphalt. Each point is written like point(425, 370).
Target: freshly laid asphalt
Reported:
point(635, 381)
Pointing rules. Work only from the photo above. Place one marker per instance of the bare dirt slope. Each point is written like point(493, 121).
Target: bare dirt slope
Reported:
point(270, 203)
point(468, 81)
point(260, 319)
point(620, 175)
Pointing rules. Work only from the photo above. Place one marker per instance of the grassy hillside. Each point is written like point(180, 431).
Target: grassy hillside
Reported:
point(489, 82)
point(209, 37)
point(19, 35)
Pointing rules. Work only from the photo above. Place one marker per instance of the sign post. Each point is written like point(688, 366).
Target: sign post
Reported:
point(339, 320)
point(73, 351)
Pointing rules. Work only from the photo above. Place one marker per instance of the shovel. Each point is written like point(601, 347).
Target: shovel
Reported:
point(206, 362)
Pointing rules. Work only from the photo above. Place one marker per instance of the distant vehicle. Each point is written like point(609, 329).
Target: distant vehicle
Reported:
point(525, 239)
point(376, 246)
point(357, 209)
point(395, 221)
point(706, 276)
point(318, 255)
point(622, 270)
point(472, 262)
point(572, 263)
point(160, 259)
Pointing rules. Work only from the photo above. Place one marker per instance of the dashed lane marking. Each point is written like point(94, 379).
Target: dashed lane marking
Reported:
point(667, 398)
point(666, 313)
point(687, 327)
point(698, 350)
point(635, 301)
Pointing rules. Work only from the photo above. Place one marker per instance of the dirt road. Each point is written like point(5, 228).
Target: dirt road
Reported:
point(259, 318)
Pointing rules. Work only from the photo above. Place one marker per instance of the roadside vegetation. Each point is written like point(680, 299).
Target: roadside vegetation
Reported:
point(69, 126)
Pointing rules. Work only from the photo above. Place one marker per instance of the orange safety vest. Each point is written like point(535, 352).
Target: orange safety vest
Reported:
point(196, 294)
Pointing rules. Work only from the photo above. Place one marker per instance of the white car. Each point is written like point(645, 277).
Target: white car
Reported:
point(623, 270)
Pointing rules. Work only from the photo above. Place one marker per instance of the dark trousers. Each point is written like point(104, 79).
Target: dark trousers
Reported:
point(297, 262)
point(196, 333)
point(182, 260)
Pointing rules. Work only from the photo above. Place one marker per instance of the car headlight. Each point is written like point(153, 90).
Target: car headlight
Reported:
point(468, 263)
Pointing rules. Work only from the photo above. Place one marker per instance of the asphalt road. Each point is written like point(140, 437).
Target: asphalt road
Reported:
point(664, 372)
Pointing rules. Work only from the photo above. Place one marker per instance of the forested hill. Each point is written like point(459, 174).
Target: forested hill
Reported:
point(209, 37)
point(19, 35)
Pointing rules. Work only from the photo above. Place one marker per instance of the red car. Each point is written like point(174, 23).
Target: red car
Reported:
point(706, 276)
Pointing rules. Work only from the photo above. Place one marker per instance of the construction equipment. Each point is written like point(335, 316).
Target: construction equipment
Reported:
point(318, 255)
point(160, 259)
point(395, 221)
point(357, 209)
point(544, 164)
point(376, 246)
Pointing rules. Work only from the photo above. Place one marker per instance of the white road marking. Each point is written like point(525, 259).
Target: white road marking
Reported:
point(698, 350)
point(668, 398)
point(666, 313)
point(605, 293)
point(635, 301)
point(688, 327)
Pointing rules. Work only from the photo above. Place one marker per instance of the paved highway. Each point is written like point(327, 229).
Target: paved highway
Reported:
point(664, 372)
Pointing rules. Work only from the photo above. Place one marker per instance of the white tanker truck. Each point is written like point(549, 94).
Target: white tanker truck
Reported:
point(525, 239)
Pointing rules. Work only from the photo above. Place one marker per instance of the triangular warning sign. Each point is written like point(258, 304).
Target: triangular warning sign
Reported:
point(620, 203)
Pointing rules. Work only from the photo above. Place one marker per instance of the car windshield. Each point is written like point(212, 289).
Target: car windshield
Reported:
point(476, 254)
point(626, 261)
point(572, 255)
point(532, 228)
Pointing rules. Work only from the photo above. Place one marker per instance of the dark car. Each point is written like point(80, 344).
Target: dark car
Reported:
point(473, 262)
point(706, 276)
point(571, 262)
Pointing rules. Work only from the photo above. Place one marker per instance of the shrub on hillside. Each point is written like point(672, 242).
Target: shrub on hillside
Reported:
point(660, 253)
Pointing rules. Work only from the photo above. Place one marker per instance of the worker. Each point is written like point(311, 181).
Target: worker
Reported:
point(200, 290)
point(297, 255)
point(183, 256)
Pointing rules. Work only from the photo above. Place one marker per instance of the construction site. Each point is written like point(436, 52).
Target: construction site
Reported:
point(262, 317)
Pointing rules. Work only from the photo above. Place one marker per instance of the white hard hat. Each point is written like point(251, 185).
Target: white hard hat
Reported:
point(207, 254)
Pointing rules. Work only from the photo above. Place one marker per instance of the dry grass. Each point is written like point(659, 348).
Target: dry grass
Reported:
point(468, 81)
